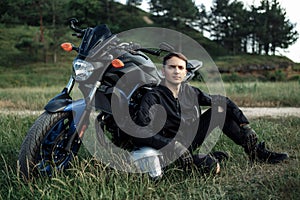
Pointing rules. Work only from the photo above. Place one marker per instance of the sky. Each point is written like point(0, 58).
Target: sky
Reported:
point(293, 52)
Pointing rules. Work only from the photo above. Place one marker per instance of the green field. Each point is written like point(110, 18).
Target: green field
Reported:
point(262, 94)
point(250, 94)
point(88, 179)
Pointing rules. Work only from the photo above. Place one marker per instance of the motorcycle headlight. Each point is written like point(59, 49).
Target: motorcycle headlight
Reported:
point(82, 69)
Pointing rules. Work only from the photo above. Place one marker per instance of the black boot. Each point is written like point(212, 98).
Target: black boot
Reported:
point(249, 141)
point(264, 155)
point(257, 151)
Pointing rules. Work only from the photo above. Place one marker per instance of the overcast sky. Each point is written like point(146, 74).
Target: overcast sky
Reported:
point(292, 10)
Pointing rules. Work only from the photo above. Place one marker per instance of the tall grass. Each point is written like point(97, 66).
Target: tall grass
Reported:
point(265, 93)
point(35, 74)
point(26, 98)
point(260, 94)
point(248, 94)
point(88, 179)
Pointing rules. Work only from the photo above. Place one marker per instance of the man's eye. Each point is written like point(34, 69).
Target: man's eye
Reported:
point(174, 67)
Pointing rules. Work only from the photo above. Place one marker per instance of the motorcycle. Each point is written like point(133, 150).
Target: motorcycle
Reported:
point(103, 60)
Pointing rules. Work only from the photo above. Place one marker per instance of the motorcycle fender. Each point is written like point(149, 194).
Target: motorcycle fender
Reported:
point(58, 103)
point(64, 103)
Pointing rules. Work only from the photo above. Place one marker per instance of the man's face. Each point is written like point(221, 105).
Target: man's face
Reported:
point(174, 70)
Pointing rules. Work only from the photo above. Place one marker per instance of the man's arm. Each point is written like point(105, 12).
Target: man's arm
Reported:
point(148, 118)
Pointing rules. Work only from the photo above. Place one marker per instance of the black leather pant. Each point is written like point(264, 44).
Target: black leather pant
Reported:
point(226, 122)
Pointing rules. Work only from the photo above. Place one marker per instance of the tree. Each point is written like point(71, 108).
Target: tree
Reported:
point(265, 27)
point(202, 22)
point(90, 12)
point(282, 31)
point(180, 12)
point(275, 30)
point(134, 3)
point(253, 28)
point(56, 30)
point(20, 11)
point(228, 24)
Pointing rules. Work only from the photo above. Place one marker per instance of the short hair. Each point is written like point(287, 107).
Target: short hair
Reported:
point(174, 54)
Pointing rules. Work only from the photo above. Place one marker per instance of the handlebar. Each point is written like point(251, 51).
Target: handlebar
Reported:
point(150, 51)
point(162, 47)
point(137, 47)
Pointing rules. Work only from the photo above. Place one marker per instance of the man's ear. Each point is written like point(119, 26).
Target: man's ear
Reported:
point(163, 71)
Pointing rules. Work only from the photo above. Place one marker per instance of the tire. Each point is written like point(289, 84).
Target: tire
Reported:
point(43, 148)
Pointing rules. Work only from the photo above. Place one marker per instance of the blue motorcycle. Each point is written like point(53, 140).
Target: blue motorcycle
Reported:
point(99, 68)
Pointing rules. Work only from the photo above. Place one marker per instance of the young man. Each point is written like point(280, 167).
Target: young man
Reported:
point(181, 104)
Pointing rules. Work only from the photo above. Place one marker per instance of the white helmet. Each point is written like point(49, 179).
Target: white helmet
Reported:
point(147, 160)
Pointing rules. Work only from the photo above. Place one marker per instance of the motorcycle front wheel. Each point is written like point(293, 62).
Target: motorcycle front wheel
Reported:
point(44, 147)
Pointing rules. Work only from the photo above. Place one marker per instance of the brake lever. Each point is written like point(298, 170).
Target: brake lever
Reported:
point(78, 35)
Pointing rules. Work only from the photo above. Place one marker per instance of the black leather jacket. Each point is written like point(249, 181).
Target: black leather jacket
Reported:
point(183, 112)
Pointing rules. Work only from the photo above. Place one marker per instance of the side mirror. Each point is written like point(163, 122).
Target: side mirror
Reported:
point(192, 67)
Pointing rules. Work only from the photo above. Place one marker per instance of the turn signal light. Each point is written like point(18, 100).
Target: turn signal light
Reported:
point(117, 63)
point(67, 46)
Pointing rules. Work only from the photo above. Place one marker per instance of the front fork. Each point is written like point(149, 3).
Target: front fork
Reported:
point(83, 121)
point(70, 85)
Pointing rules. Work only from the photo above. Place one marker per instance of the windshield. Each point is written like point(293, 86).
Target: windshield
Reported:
point(93, 37)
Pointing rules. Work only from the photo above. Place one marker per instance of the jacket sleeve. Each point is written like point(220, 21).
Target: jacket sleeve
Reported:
point(204, 99)
point(147, 115)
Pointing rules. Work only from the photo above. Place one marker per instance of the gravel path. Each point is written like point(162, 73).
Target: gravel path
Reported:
point(271, 112)
point(249, 112)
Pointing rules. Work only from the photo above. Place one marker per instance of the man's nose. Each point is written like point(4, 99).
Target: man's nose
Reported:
point(176, 69)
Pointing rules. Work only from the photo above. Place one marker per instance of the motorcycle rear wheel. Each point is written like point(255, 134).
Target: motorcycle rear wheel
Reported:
point(43, 148)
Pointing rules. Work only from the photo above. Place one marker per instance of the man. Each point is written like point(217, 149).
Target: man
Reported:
point(181, 103)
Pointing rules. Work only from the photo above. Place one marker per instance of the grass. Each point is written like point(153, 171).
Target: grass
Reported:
point(265, 93)
point(260, 94)
point(26, 98)
point(231, 63)
point(31, 87)
point(35, 75)
point(88, 179)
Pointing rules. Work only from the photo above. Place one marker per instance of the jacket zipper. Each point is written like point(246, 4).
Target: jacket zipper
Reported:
point(177, 107)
